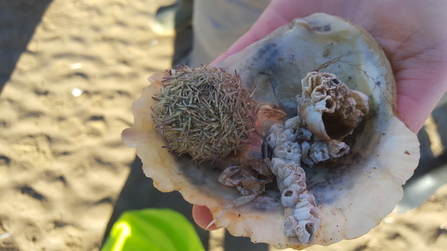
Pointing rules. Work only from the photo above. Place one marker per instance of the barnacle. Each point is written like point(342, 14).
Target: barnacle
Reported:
point(330, 109)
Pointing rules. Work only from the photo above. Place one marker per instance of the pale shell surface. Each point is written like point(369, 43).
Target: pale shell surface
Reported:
point(352, 193)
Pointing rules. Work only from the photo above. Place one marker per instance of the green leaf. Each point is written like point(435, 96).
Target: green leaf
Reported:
point(152, 230)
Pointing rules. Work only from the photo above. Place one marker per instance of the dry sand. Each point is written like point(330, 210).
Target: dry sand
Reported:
point(62, 162)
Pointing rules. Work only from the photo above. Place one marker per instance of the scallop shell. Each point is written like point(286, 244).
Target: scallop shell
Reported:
point(353, 193)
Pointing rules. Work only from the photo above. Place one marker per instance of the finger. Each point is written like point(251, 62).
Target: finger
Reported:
point(202, 216)
point(281, 12)
point(418, 92)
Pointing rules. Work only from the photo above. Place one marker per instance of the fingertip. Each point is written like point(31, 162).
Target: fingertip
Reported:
point(202, 216)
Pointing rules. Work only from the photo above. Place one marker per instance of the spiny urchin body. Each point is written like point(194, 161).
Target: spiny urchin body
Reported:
point(204, 112)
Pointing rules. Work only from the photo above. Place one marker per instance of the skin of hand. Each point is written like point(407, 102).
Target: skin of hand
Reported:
point(412, 33)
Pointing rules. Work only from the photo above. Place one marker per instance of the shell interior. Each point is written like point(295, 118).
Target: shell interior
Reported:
point(354, 192)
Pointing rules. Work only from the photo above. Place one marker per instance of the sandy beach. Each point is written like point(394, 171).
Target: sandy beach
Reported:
point(70, 71)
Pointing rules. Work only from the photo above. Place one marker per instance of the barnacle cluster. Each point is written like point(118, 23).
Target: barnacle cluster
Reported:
point(332, 110)
point(302, 217)
point(328, 110)
point(204, 112)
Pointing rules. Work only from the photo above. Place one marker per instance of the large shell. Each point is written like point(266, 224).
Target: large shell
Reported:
point(352, 194)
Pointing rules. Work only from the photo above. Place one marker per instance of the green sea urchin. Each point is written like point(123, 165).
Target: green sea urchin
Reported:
point(204, 112)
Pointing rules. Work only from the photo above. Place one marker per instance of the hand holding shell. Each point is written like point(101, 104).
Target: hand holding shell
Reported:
point(349, 194)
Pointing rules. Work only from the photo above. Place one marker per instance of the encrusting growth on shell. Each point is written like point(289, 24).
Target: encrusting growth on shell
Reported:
point(204, 112)
point(328, 107)
point(302, 217)
point(301, 140)
point(304, 140)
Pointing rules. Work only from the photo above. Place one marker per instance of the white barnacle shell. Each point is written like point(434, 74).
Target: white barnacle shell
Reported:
point(319, 151)
point(302, 225)
point(290, 195)
point(305, 154)
point(353, 193)
point(297, 177)
point(286, 170)
point(337, 148)
point(279, 135)
point(275, 164)
point(288, 150)
point(325, 94)
point(293, 123)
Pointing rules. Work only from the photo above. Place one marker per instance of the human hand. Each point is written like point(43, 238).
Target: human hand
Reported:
point(412, 34)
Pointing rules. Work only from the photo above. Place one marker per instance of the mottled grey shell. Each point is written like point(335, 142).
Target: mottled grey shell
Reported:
point(353, 193)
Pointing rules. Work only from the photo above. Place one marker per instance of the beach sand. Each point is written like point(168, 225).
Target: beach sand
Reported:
point(70, 70)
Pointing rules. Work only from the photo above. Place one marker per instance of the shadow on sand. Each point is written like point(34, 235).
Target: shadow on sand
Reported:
point(15, 35)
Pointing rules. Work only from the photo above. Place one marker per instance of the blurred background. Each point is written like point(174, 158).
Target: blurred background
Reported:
point(69, 71)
